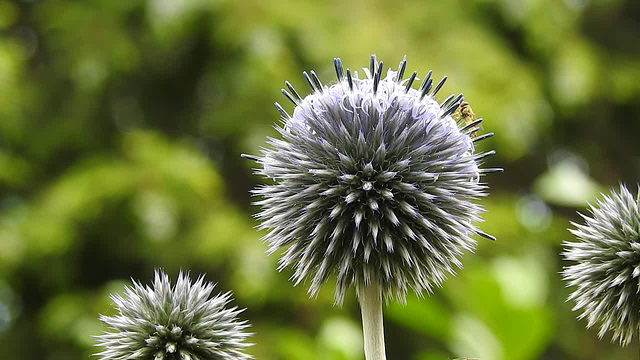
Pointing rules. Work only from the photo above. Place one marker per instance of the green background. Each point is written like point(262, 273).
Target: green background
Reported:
point(121, 125)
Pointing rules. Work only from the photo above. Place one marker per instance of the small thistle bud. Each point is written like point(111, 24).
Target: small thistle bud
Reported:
point(173, 323)
point(606, 272)
point(374, 182)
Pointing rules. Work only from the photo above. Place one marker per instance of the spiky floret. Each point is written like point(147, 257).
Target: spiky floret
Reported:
point(606, 273)
point(180, 322)
point(373, 181)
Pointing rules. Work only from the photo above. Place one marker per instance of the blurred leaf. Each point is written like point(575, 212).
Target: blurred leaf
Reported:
point(343, 336)
point(566, 184)
point(427, 316)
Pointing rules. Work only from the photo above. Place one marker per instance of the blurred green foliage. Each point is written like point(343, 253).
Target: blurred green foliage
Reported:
point(121, 125)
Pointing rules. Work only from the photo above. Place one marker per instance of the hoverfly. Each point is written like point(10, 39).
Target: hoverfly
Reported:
point(465, 114)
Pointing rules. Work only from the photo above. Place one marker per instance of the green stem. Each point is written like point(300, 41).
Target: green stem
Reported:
point(370, 298)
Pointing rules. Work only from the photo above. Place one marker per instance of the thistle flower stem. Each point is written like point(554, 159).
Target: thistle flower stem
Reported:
point(370, 298)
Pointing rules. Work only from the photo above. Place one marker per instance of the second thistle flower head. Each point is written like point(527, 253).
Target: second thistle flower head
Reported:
point(179, 322)
point(373, 182)
point(606, 272)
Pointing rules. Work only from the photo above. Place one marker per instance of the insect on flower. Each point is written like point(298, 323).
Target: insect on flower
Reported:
point(465, 115)
point(371, 181)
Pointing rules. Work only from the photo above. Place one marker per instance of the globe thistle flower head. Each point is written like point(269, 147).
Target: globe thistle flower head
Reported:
point(606, 269)
point(373, 181)
point(180, 322)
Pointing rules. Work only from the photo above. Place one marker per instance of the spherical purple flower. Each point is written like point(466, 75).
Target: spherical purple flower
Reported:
point(606, 269)
point(373, 182)
point(180, 322)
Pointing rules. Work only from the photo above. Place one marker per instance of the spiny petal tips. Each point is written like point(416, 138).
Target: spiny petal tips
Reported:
point(173, 322)
point(605, 269)
point(371, 181)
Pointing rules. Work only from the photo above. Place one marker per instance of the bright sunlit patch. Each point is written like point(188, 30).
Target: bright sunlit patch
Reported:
point(523, 280)
point(472, 338)
point(533, 214)
point(342, 334)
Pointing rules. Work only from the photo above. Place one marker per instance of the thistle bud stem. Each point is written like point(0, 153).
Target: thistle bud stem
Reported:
point(370, 298)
